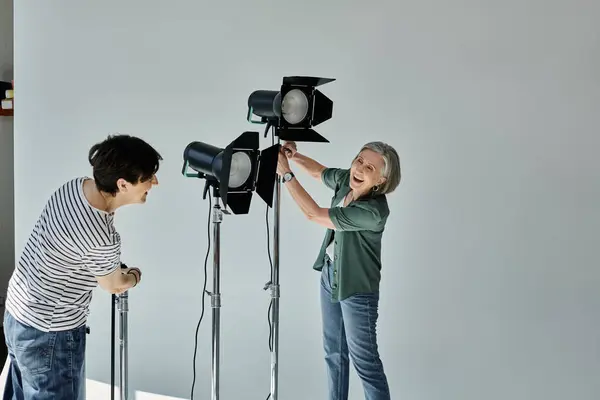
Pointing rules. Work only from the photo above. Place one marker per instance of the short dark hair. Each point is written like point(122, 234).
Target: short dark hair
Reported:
point(122, 156)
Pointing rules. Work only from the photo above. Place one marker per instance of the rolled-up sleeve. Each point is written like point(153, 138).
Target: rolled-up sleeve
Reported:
point(355, 217)
point(331, 177)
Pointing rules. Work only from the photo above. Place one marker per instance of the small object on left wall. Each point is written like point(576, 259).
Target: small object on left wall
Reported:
point(7, 104)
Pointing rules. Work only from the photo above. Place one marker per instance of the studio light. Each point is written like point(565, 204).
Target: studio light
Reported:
point(293, 110)
point(235, 171)
point(290, 114)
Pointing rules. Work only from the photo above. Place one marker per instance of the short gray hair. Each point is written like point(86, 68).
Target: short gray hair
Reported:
point(391, 169)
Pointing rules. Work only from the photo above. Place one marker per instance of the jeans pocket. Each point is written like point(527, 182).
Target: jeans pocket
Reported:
point(34, 350)
point(325, 276)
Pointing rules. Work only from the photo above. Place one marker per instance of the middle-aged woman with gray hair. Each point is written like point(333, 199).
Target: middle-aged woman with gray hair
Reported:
point(349, 258)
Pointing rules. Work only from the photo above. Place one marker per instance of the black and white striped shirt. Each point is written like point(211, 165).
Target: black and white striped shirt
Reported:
point(71, 243)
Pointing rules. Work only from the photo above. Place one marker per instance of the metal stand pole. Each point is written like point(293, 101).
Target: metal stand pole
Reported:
point(275, 293)
point(121, 302)
point(123, 306)
point(215, 296)
point(113, 300)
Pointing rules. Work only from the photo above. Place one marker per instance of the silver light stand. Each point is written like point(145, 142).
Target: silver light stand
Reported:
point(274, 287)
point(123, 307)
point(215, 296)
point(262, 103)
point(194, 154)
point(121, 301)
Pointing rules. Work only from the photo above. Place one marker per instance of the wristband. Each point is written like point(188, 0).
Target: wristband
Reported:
point(135, 276)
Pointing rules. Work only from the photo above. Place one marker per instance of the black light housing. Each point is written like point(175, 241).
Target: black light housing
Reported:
point(236, 171)
point(294, 109)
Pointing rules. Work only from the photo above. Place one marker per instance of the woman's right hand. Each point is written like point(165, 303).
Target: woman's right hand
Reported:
point(290, 149)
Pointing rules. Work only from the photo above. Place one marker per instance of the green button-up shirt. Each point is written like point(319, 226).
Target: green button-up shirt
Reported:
point(357, 238)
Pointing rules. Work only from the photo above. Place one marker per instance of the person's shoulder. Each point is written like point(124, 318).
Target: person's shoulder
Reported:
point(71, 199)
point(343, 176)
point(377, 204)
point(335, 177)
point(71, 185)
point(63, 192)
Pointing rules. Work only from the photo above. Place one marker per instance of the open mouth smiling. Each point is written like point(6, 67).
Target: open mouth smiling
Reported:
point(357, 180)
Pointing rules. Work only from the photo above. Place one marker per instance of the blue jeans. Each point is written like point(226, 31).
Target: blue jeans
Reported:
point(44, 365)
point(349, 332)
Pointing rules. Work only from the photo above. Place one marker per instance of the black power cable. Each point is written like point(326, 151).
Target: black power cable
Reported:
point(203, 294)
point(270, 302)
point(271, 263)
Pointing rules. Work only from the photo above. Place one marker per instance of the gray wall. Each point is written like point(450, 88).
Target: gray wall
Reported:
point(490, 282)
point(7, 227)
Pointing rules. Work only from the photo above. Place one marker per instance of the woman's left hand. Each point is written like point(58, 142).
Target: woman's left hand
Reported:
point(283, 165)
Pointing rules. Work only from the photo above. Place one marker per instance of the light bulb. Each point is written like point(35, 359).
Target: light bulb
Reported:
point(240, 169)
point(294, 106)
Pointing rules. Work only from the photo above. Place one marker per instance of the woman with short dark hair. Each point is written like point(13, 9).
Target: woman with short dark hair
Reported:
point(72, 248)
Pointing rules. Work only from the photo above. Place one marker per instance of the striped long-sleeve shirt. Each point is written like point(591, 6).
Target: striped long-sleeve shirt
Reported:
point(70, 245)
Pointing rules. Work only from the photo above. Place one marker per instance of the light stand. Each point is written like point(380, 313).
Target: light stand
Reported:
point(291, 113)
point(120, 301)
point(274, 287)
point(113, 301)
point(123, 307)
point(233, 173)
point(215, 296)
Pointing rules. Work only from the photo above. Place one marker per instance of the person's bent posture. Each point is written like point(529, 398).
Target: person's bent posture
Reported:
point(349, 259)
point(72, 248)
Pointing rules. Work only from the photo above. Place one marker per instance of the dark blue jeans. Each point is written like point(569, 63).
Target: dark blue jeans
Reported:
point(44, 365)
point(349, 332)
